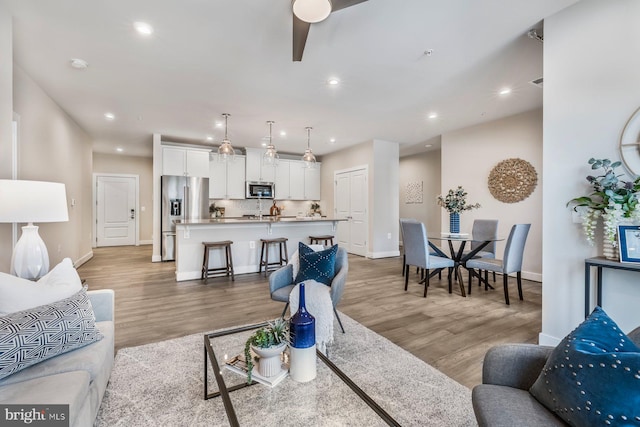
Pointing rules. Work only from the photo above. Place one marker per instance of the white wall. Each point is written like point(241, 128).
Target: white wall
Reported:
point(425, 168)
point(6, 116)
point(469, 155)
point(52, 147)
point(591, 87)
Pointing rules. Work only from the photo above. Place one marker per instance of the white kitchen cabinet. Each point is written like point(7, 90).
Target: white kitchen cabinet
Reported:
point(296, 180)
point(312, 183)
point(184, 161)
point(256, 171)
point(226, 179)
point(282, 180)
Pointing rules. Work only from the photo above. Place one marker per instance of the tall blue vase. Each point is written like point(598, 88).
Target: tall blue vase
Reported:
point(302, 342)
point(454, 222)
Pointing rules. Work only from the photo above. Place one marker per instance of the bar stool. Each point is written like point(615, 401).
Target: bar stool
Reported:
point(317, 239)
point(264, 254)
point(217, 271)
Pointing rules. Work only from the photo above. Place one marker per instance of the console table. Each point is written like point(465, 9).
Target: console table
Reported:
point(600, 263)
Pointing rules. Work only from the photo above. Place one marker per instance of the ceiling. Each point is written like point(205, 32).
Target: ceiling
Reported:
point(208, 57)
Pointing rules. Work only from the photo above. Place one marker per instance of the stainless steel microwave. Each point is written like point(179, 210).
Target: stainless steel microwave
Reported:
point(260, 190)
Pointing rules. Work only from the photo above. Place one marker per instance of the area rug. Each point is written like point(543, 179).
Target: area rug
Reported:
point(161, 384)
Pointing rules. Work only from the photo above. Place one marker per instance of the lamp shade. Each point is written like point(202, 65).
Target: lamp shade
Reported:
point(312, 11)
point(32, 201)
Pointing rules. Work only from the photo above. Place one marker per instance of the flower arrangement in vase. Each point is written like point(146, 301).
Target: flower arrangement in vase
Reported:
point(611, 198)
point(268, 343)
point(455, 202)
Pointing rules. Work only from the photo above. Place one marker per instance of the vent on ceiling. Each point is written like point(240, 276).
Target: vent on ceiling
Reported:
point(537, 82)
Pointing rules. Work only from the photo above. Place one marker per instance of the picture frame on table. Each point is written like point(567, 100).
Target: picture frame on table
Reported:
point(629, 243)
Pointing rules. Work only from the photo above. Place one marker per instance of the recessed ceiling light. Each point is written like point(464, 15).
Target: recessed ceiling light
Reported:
point(333, 81)
point(428, 146)
point(505, 91)
point(119, 150)
point(79, 64)
point(218, 124)
point(332, 140)
point(109, 116)
point(264, 144)
point(209, 138)
point(143, 28)
point(433, 115)
point(283, 133)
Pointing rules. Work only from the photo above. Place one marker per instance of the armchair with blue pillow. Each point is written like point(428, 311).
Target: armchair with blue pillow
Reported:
point(329, 266)
point(591, 378)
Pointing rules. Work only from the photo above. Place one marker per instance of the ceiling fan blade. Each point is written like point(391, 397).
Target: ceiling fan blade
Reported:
point(300, 33)
point(341, 4)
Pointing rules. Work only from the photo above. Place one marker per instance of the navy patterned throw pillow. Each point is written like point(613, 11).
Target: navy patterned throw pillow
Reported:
point(319, 266)
point(36, 334)
point(593, 376)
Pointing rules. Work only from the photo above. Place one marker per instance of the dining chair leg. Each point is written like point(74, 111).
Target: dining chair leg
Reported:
point(450, 280)
point(470, 280)
point(486, 279)
point(494, 277)
point(406, 279)
point(426, 283)
point(519, 278)
point(479, 277)
point(505, 282)
point(338, 318)
point(404, 264)
point(284, 311)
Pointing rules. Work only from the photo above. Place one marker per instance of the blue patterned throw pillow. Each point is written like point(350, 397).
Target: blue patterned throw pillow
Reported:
point(319, 266)
point(593, 376)
point(36, 334)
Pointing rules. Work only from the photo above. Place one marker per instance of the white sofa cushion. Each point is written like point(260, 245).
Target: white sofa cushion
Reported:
point(18, 294)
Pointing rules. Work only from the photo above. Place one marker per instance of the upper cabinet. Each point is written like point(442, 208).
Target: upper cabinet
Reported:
point(312, 183)
point(256, 171)
point(185, 161)
point(226, 179)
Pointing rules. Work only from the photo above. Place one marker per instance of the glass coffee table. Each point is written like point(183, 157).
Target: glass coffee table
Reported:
point(331, 398)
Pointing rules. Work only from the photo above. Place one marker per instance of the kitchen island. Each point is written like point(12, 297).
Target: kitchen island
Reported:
point(245, 234)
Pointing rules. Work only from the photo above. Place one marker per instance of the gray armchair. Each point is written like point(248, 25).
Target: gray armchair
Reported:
point(503, 398)
point(281, 283)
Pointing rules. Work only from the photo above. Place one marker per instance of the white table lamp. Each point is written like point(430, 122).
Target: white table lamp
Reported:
point(31, 201)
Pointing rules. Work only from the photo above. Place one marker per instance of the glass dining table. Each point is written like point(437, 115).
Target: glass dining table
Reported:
point(459, 256)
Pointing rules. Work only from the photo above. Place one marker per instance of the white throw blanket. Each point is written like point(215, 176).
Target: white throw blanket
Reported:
point(317, 299)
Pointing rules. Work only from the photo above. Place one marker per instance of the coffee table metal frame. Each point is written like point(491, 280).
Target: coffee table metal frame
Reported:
point(223, 390)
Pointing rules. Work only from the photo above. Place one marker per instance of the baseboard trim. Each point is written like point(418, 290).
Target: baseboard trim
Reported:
point(544, 339)
point(83, 259)
point(528, 275)
point(145, 242)
point(388, 254)
point(156, 258)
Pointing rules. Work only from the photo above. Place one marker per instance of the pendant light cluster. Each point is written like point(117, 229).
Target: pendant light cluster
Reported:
point(270, 157)
point(226, 151)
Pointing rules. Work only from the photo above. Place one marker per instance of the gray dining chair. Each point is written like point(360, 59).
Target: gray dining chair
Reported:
point(417, 254)
point(431, 252)
point(483, 230)
point(511, 263)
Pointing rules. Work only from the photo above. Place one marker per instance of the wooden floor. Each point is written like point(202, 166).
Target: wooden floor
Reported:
point(448, 331)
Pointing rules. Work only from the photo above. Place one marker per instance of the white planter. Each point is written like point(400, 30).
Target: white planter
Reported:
point(270, 362)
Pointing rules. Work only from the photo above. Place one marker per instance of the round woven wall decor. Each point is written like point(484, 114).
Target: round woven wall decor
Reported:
point(512, 180)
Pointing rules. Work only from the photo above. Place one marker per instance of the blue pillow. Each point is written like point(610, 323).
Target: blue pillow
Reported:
point(593, 376)
point(319, 266)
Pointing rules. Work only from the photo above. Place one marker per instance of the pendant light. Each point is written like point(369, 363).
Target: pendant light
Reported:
point(270, 157)
point(226, 151)
point(308, 158)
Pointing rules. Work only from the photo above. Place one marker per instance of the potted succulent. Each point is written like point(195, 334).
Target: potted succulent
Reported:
point(455, 202)
point(267, 343)
point(611, 198)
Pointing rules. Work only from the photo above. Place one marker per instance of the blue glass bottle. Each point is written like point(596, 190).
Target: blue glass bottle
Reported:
point(302, 342)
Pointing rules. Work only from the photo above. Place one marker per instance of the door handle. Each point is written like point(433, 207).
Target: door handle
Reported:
point(133, 214)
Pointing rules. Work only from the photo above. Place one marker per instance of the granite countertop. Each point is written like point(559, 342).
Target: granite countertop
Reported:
point(265, 219)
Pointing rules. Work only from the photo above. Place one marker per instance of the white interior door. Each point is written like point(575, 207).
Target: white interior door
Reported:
point(115, 211)
point(351, 202)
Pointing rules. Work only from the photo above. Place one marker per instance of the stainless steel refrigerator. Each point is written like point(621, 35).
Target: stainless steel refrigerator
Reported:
point(183, 198)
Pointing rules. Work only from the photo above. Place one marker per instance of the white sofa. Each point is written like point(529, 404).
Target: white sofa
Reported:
point(78, 378)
